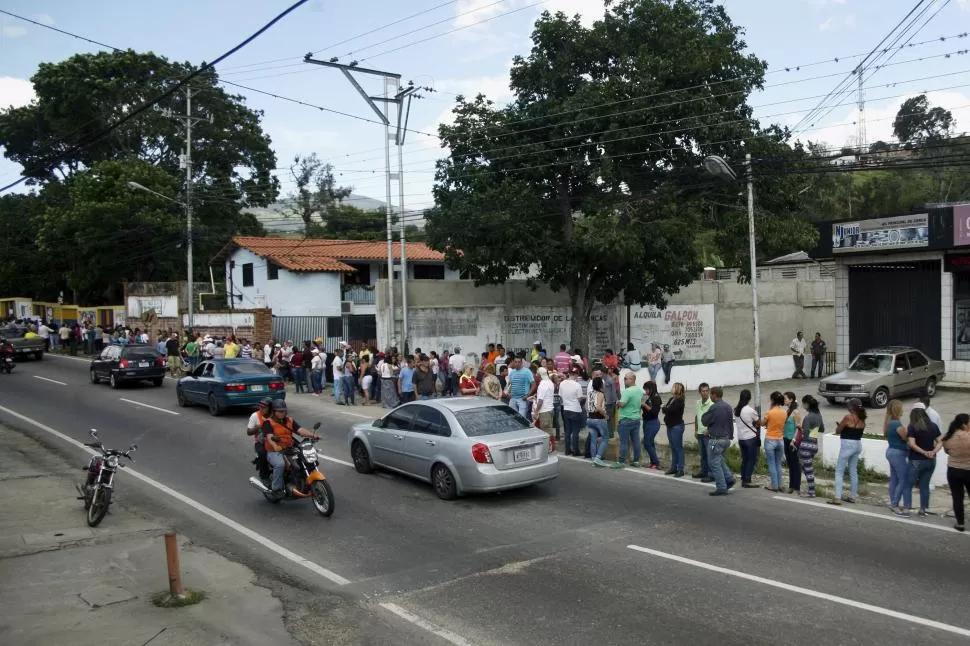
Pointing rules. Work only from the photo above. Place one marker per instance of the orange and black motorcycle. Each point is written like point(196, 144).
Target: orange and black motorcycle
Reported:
point(302, 479)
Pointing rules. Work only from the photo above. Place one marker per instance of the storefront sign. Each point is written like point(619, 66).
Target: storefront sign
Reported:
point(884, 234)
point(961, 348)
point(687, 329)
point(961, 225)
point(956, 263)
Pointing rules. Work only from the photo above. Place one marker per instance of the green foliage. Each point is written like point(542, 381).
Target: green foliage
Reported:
point(917, 123)
point(316, 194)
point(583, 179)
point(91, 231)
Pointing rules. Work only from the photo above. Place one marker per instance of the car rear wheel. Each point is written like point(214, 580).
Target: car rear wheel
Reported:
point(443, 482)
point(214, 408)
point(361, 457)
point(158, 382)
point(180, 397)
point(831, 400)
point(880, 398)
point(929, 389)
point(113, 381)
point(39, 355)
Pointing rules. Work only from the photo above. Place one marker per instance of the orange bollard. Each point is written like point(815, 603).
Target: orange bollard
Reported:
point(174, 571)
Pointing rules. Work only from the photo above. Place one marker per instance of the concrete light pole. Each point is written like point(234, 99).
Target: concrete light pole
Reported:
point(716, 166)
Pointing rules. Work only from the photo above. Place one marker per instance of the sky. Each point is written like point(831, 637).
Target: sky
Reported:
point(466, 47)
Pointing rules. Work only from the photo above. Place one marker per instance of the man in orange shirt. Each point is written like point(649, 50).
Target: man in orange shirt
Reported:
point(279, 430)
point(492, 354)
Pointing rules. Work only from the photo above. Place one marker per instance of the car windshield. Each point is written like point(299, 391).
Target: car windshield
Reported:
point(244, 368)
point(872, 363)
point(490, 420)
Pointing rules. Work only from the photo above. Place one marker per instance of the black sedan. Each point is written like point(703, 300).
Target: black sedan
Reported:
point(119, 364)
point(219, 384)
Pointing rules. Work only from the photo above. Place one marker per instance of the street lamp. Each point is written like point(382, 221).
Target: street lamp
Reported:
point(719, 168)
point(188, 225)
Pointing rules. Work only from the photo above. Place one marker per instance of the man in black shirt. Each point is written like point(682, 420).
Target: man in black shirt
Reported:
point(173, 349)
point(424, 380)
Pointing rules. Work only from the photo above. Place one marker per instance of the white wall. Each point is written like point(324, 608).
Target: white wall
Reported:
point(165, 306)
point(221, 319)
point(723, 373)
point(292, 294)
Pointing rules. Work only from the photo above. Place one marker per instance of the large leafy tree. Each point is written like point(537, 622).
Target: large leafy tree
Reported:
point(316, 192)
point(57, 140)
point(917, 123)
point(588, 180)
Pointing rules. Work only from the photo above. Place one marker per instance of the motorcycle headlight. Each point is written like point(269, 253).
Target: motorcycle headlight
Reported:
point(113, 461)
point(310, 454)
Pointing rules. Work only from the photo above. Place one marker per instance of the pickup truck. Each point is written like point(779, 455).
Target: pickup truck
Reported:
point(24, 347)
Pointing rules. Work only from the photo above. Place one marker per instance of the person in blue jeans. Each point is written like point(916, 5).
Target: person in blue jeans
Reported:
point(897, 454)
point(596, 422)
point(651, 421)
point(719, 420)
point(923, 437)
point(628, 428)
point(700, 431)
point(520, 384)
point(673, 412)
point(851, 428)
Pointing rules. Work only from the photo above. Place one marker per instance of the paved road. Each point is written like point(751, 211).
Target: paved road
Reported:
point(625, 557)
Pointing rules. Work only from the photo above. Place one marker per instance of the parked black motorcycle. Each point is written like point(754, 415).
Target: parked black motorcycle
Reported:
point(6, 356)
point(96, 491)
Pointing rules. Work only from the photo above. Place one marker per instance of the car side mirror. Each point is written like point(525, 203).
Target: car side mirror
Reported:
point(378, 423)
point(316, 426)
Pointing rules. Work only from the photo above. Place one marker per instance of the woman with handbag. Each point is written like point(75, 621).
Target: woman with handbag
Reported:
point(806, 442)
point(749, 437)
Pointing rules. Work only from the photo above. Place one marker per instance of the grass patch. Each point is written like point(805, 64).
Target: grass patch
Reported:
point(188, 598)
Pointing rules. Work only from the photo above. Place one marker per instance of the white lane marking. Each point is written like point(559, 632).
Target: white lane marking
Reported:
point(815, 594)
point(645, 472)
point(53, 381)
point(337, 460)
point(160, 410)
point(871, 514)
point(211, 513)
point(447, 635)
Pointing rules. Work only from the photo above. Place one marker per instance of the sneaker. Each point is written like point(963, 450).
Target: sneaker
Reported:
point(718, 492)
point(655, 467)
point(617, 465)
point(806, 495)
point(960, 528)
point(635, 465)
point(835, 501)
point(670, 472)
point(849, 499)
point(902, 513)
point(679, 474)
point(598, 462)
point(707, 479)
point(732, 483)
point(921, 512)
point(749, 485)
point(697, 476)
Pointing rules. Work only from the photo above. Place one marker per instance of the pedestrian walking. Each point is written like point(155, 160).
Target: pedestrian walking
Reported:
point(749, 437)
point(924, 444)
point(806, 442)
point(700, 431)
point(897, 454)
point(596, 421)
point(956, 443)
point(667, 359)
point(818, 355)
point(719, 420)
point(628, 427)
point(673, 412)
point(851, 428)
point(797, 347)
point(792, 426)
point(775, 420)
point(651, 422)
point(316, 372)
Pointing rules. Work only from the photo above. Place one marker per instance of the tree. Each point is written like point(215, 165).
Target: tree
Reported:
point(918, 124)
point(54, 139)
point(589, 178)
point(316, 194)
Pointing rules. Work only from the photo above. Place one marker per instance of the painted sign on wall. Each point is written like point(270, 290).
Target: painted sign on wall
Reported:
point(900, 232)
point(687, 329)
point(164, 306)
point(961, 225)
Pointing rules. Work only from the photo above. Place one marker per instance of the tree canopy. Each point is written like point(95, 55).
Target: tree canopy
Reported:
point(92, 229)
point(589, 179)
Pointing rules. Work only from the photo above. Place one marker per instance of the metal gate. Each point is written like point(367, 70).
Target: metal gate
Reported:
point(307, 328)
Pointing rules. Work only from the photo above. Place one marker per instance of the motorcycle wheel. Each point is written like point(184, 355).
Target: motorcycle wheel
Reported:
point(323, 499)
point(100, 500)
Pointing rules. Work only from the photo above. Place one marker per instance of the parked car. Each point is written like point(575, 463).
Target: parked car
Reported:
point(23, 348)
point(880, 374)
point(220, 384)
point(118, 364)
point(460, 445)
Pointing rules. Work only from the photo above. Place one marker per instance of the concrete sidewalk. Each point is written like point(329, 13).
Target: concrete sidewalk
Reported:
point(62, 582)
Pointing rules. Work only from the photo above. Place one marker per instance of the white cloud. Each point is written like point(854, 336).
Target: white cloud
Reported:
point(471, 12)
point(825, 26)
point(879, 120)
point(589, 10)
point(838, 22)
point(15, 92)
point(43, 18)
point(13, 31)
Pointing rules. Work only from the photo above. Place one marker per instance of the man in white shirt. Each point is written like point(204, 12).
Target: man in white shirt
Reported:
point(456, 365)
point(338, 374)
point(932, 413)
point(44, 332)
point(797, 347)
point(268, 354)
point(545, 394)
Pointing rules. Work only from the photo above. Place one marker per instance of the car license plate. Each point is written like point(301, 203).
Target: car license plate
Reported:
point(522, 455)
point(257, 389)
point(142, 364)
point(839, 399)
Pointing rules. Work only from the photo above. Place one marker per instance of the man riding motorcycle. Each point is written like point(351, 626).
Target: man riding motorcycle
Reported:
point(278, 431)
point(255, 427)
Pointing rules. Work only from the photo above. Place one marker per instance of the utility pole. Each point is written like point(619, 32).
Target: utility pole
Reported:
point(189, 119)
point(401, 97)
point(861, 102)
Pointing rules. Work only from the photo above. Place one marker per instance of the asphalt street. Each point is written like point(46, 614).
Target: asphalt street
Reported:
point(622, 557)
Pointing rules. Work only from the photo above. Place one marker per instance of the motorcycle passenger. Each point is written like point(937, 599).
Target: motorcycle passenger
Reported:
point(255, 427)
point(281, 427)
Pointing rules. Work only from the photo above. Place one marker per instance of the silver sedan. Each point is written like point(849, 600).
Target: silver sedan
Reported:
point(460, 445)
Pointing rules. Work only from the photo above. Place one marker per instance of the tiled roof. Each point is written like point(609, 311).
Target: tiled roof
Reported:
point(311, 254)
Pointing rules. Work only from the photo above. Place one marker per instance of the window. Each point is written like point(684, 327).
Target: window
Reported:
point(335, 327)
point(429, 272)
point(272, 270)
point(916, 359)
point(247, 271)
point(361, 275)
point(901, 362)
point(872, 363)
point(245, 368)
point(490, 420)
point(399, 420)
point(141, 354)
point(430, 421)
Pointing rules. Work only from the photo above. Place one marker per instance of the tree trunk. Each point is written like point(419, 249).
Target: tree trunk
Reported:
point(579, 317)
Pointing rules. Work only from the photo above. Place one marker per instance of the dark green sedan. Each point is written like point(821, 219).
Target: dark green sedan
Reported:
point(220, 384)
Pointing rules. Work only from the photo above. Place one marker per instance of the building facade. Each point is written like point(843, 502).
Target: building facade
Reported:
point(903, 280)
